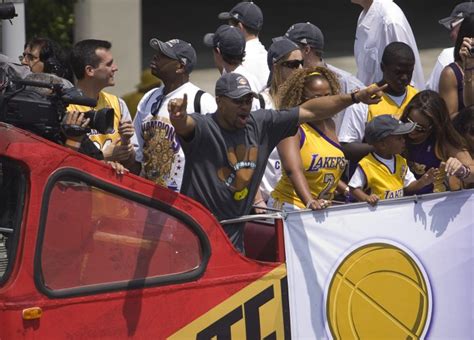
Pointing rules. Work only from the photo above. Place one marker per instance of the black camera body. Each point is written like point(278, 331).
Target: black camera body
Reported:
point(23, 104)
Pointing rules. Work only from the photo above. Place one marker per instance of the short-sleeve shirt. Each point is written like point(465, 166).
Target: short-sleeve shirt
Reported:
point(224, 168)
point(353, 126)
point(255, 62)
point(159, 150)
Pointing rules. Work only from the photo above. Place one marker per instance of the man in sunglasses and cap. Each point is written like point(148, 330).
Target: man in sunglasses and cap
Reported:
point(159, 151)
point(446, 57)
point(227, 151)
point(248, 18)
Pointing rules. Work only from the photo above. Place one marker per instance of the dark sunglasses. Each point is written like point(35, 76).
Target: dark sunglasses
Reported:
point(293, 64)
point(418, 127)
point(244, 100)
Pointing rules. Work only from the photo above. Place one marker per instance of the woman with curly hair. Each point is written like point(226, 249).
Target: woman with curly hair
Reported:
point(435, 140)
point(312, 160)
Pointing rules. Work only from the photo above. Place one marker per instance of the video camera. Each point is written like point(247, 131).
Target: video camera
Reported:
point(41, 106)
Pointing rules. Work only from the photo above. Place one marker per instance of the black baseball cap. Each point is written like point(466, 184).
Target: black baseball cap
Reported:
point(459, 12)
point(177, 49)
point(247, 13)
point(233, 85)
point(230, 40)
point(307, 34)
point(386, 125)
point(280, 47)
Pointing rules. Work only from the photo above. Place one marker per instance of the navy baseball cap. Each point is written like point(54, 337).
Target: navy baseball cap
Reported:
point(385, 125)
point(230, 40)
point(280, 47)
point(233, 85)
point(247, 13)
point(177, 49)
point(306, 33)
point(459, 12)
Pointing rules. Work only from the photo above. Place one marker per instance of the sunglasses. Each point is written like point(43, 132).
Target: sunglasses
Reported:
point(418, 127)
point(245, 100)
point(293, 64)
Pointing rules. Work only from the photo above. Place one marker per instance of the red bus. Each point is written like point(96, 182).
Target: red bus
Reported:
point(85, 253)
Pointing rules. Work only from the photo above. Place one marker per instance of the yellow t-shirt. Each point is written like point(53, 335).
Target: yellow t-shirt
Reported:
point(380, 180)
point(388, 106)
point(323, 163)
point(105, 100)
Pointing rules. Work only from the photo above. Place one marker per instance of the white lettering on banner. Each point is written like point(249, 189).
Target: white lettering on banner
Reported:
point(402, 269)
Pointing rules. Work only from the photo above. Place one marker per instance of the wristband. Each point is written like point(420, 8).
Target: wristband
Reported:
point(72, 144)
point(354, 99)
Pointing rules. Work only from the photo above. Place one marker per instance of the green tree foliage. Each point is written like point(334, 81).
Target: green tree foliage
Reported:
point(50, 18)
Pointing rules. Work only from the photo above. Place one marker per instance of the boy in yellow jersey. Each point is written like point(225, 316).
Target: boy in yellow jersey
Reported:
point(384, 174)
point(397, 65)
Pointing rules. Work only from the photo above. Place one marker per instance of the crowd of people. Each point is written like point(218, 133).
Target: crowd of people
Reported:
point(285, 130)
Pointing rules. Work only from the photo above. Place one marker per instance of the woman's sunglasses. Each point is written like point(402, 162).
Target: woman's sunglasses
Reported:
point(418, 127)
point(293, 64)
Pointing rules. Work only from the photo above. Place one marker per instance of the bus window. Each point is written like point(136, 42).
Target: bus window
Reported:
point(95, 237)
point(12, 193)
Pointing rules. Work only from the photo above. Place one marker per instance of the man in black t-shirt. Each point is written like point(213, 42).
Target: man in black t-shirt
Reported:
point(226, 151)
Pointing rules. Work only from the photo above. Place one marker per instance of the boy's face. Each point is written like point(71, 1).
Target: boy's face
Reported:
point(393, 144)
point(398, 76)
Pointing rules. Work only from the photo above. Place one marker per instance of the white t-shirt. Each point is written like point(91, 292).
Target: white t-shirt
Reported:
point(445, 58)
point(353, 125)
point(252, 82)
point(165, 163)
point(255, 62)
point(348, 83)
point(358, 179)
point(383, 23)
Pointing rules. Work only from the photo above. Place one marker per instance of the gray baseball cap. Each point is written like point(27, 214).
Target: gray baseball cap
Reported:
point(306, 33)
point(459, 12)
point(177, 49)
point(247, 13)
point(230, 40)
point(233, 85)
point(385, 125)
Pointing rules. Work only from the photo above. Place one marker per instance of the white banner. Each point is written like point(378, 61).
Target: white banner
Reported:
point(402, 269)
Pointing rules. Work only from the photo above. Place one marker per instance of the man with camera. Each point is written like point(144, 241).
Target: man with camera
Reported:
point(94, 68)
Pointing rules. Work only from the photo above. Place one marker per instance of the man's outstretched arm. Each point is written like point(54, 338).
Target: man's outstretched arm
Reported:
point(325, 107)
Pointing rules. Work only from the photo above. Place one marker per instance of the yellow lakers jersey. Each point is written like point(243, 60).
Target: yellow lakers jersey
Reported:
point(380, 180)
point(388, 106)
point(323, 163)
point(105, 100)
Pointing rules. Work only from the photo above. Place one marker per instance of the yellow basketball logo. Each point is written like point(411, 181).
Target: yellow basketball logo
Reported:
point(378, 292)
